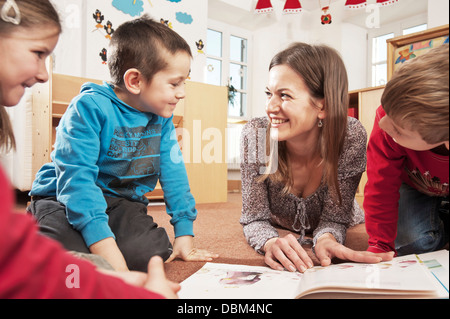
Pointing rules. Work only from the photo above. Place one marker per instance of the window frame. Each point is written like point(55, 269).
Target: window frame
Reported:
point(396, 28)
point(228, 31)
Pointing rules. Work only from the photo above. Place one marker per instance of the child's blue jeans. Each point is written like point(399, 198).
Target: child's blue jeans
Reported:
point(422, 222)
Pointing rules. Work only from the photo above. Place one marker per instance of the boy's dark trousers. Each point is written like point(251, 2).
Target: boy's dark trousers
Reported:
point(138, 237)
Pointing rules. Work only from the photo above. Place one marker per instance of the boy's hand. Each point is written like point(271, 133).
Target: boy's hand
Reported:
point(183, 247)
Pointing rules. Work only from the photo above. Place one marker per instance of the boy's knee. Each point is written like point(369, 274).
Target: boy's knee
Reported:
point(138, 253)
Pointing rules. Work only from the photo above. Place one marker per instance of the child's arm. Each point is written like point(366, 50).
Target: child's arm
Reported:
point(108, 249)
point(178, 198)
point(385, 160)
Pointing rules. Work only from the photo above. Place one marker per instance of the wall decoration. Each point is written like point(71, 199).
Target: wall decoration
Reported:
point(326, 17)
point(407, 47)
point(386, 2)
point(355, 4)
point(264, 6)
point(175, 1)
point(184, 17)
point(104, 56)
point(109, 30)
point(98, 17)
point(200, 45)
point(166, 22)
point(292, 6)
point(131, 7)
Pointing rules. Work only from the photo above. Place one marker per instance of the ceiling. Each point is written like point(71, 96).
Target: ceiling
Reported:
point(241, 13)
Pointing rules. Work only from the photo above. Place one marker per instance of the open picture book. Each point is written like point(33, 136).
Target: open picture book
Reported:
point(412, 276)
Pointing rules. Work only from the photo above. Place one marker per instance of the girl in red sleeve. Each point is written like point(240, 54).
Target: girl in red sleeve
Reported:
point(33, 266)
point(406, 198)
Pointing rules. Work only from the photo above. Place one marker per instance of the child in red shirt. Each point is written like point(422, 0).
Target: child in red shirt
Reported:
point(406, 196)
point(31, 265)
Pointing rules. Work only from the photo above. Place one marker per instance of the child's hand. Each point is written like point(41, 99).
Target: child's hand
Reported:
point(183, 247)
point(155, 280)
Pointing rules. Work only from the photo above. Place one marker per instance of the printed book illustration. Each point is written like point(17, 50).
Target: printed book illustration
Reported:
point(412, 276)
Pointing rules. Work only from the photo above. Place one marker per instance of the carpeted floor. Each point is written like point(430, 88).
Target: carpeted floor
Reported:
point(217, 229)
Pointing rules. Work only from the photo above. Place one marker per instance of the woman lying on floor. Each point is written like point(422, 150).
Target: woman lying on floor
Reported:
point(317, 157)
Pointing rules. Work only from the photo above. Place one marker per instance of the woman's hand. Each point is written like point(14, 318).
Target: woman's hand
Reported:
point(288, 253)
point(183, 247)
point(327, 248)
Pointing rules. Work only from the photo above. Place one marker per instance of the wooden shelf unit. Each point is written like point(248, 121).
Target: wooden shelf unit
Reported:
point(365, 101)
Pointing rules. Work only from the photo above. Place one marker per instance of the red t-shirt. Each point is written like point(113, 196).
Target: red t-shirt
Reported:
point(388, 165)
point(33, 266)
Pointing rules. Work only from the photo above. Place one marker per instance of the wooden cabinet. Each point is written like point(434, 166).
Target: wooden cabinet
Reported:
point(200, 120)
point(366, 102)
point(202, 136)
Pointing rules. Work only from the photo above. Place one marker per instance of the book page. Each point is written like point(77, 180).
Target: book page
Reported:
point(423, 276)
point(437, 263)
point(223, 281)
point(401, 275)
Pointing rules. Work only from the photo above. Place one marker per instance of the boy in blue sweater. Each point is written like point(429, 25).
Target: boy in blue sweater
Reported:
point(113, 144)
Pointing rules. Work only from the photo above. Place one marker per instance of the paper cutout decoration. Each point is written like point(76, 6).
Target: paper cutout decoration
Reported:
point(264, 6)
point(386, 2)
point(104, 55)
point(109, 30)
point(131, 7)
point(292, 6)
point(184, 17)
point(326, 17)
point(355, 4)
point(200, 45)
point(98, 17)
point(167, 23)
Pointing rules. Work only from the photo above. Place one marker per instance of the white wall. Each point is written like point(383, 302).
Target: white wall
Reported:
point(77, 52)
point(349, 39)
point(438, 13)
point(269, 41)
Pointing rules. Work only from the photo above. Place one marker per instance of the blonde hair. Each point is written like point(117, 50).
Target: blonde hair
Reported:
point(325, 76)
point(417, 95)
point(31, 14)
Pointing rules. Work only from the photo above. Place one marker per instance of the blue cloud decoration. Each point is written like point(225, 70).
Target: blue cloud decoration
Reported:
point(131, 7)
point(184, 17)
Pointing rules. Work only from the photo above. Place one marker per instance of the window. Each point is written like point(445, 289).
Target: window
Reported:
point(415, 29)
point(379, 59)
point(378, 46)
point(227, 65)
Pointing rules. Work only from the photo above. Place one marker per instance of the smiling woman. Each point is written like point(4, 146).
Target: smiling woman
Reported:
point(309, 185)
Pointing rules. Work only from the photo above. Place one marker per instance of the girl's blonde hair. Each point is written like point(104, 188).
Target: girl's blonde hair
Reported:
point(33, 14)
point(325, 76)
point(416, 97)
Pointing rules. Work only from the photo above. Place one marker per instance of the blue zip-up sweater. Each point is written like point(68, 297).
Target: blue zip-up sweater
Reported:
point(106, 147)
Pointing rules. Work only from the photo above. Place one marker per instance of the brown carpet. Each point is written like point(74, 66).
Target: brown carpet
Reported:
point(217, 229)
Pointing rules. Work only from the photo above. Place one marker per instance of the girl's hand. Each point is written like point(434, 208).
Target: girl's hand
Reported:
point(155, 280)
point(183, 247)
point(288, 253)
point(327, 248)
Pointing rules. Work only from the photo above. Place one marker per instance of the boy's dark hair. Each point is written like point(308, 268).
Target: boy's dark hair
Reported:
point(142, 44)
